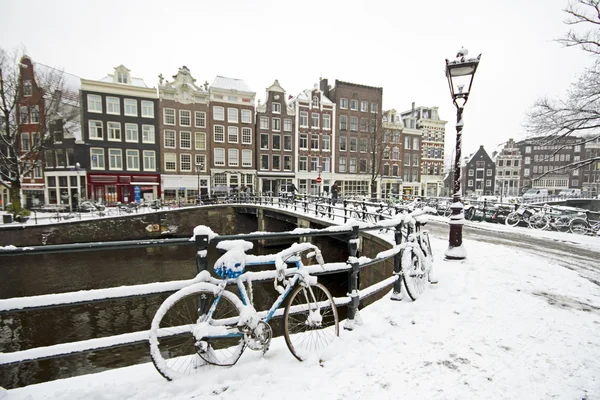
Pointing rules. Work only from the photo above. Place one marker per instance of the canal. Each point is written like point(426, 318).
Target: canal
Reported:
point(67, 272)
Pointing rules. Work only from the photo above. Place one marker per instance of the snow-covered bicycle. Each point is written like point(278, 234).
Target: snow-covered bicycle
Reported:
point(205, 324)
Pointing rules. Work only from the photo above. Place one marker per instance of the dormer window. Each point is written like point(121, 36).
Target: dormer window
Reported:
point(122, 77)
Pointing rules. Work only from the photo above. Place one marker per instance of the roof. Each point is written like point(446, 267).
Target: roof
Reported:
point(305, 95)
point(69, 83)
point(139, 82)
point(222, 82)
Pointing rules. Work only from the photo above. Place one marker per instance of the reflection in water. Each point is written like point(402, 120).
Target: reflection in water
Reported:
point(56, 273)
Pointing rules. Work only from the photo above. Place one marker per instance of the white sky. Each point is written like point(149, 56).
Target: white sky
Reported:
point(400, 45)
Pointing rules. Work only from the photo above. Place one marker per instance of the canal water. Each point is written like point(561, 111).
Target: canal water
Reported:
point(68, 272)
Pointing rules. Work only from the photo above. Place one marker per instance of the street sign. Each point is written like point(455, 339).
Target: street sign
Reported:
point(319, 179)
point(136, 194)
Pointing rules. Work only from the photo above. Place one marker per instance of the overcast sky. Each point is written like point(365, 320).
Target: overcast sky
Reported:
point(398, 44)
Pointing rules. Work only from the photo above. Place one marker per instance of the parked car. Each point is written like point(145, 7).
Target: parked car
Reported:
point(534, 194)
point(570, 193)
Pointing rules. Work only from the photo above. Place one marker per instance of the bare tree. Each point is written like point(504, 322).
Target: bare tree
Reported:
point(376, 149)
point(578, 114)
point(36, 107)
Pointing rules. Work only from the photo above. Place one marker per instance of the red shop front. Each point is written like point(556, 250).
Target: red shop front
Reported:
point(123, 188)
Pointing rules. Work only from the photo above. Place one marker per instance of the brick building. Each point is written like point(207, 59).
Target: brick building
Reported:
point(275, 144)
point(314, 138)
point(479, 174)
point(119, 128)
point(359, 129)
point(183, 125)
point(590, 174)
point(508, 170)
point(233, 141)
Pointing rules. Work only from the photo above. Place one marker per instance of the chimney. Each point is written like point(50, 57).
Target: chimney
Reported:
point(324, 87)
point(412, 113)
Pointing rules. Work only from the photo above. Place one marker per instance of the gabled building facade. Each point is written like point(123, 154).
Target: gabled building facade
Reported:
point(314, 138)
point(433, 133)
point(275, 144)
point(119, 129)
point(391, 175)
point(183, 120)
point(509, 162)
point(358, 120)
point(232, 142)
point(590, 174)
point(480, 174)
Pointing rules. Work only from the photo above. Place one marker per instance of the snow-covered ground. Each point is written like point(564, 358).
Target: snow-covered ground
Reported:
point(503, 324)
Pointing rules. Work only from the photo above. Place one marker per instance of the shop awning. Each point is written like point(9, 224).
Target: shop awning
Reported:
point(144, 183)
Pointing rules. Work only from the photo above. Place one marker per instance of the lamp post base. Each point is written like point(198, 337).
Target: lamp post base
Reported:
point(455, 253)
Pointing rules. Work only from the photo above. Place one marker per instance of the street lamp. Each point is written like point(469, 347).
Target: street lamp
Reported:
point(460, 73)
point(198, 170)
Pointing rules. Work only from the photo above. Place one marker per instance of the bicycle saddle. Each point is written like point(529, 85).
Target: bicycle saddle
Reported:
point(231, 264)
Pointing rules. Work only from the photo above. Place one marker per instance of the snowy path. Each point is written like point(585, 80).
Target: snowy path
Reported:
point(503, 324)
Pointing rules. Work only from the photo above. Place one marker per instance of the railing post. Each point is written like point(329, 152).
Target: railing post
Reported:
point(305, 203)
point(353, 317)
point(345, 210)
point(201, 253)
point(329, 210)
point(397, 292)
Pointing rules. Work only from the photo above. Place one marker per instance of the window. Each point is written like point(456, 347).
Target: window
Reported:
point(264, 141)
point(148, 134)
point(246, 116)
point(264, 122)
point(315, 120)
point(304, 141)
point(470, 183)
point(471, 172)
point(264, 161)
point(149, 160)
point(577, 149)
point(354, 124)
point(526, 172)
point(24, 115)
point(147, 109)
point(170, 162)
point(406, 158)
point(415, 162)
point(114, 131)
point(219, 157)
point(407, 142)
point(344, 103)
point(232, 115)
point(27, 88)
point(342, 164)
point(315, 101)
point(35, 114)
point(396, 171)
point(488, 172)
point(219, 133)
point(276, 124)
point(113, 105)
point(232, 134)
point(185, 162)
point(276, 108)
point(169, 116)
point(314, 164)
point(353, 144)
point(528, 149)
point(343, 143)
point(96, 130)
point(287, 163)
point(354, 105)
point(516, 163)
point(415, 143)
point(364, 127)
point(364, 106)
point(115, 159)
point(362, 166)
point(133, 160)
point(246, 135)
point(97, 156)
point(25, 141)
point(219, 115)
point(170, 139)
point(200, 141)
point(276, 142)
point(314, 142)
point(94, 104)
point(185, 140)
point(396, 154)
point(325, 163)
point(363, 145)
point(131, 133)
point(287, 125)
point(326, 121)
point(303, 163)
point(303, 118)
point(287, 142)
point(185, 118)
point(201, 159)
point(131, 107)
point(343, 122)
point(200, 119)
point(326, 143)
point(374, 108)
point(488, 182)
point(246, 158)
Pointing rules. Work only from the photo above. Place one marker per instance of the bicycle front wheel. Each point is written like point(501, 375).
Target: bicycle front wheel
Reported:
point(578, 226)
point(415, 274)
point(512, 219)
point(183, 337)
point(539, 222)
point(311, 321)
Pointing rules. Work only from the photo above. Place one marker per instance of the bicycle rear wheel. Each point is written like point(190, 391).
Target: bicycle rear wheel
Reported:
point(415, 274)
point(538, 221)
point(310, 321)
point(180, 344)
point(512, 219)
point(578, 226)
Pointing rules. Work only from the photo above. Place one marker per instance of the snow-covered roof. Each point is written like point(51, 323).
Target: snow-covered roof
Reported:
point(306, 95)
point(139, 82)
point(222, 82)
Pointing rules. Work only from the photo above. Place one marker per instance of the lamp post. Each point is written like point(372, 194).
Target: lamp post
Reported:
point(460, 73)
point(198, 170)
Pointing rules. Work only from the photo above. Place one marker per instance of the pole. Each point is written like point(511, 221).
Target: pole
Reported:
point(455, 249)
